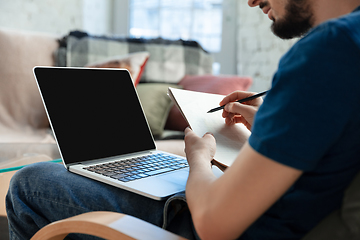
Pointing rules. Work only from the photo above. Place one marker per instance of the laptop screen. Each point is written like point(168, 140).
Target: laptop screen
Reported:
point(95, 113)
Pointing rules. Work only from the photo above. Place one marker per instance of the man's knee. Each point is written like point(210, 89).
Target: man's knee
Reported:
point(31, 174)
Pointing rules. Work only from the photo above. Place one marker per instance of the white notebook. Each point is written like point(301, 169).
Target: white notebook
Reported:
point(194, 107)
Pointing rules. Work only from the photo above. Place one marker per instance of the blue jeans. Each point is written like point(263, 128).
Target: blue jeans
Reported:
point(46, 192)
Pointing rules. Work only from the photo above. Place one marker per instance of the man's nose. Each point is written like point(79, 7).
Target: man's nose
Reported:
point(254, 3)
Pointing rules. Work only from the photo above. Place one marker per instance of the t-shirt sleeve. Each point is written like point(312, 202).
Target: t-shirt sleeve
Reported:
point(307, 108)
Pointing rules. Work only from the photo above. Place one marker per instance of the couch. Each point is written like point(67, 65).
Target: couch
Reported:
point(25, 135)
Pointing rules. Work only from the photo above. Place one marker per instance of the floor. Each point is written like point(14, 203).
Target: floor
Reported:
point(4, 234)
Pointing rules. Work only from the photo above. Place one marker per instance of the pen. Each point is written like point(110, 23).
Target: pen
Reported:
point(239, 101)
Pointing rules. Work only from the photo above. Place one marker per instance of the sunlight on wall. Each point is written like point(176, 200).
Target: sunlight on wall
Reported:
point(51, 16)
point(96, 16)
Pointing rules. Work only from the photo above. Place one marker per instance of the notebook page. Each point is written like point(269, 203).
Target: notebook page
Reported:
point(194, 107)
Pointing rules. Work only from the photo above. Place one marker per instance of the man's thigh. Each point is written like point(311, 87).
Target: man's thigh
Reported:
point(49, 189)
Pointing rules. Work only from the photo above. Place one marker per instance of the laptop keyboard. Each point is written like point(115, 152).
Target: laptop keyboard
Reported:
point(139, 167)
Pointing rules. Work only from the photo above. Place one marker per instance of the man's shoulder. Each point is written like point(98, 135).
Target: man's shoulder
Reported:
point(349, 24)
point(336, 29)
point(342, 34)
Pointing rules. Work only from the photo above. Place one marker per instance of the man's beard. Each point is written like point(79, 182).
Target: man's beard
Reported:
point(297, 21)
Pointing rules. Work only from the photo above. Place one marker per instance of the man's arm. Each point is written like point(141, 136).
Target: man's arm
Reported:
point(224, 208)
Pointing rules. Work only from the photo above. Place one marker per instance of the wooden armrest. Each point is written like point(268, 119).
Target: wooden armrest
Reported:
point(107, 225)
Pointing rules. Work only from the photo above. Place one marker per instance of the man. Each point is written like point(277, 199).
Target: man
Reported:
point(301, 135)
point(302, 153)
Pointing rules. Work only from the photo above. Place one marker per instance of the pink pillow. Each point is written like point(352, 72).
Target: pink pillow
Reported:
point(223, 84)
point(134, 62)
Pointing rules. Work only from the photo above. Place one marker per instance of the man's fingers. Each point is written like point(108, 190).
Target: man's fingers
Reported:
point(238, 95)
point(234, 96)
point(208, 133)
point(238, 108)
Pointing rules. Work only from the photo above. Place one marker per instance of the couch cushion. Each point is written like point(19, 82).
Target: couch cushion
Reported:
point(209, 84)
point(343, 223)
point(20, 102)
point(156, 104)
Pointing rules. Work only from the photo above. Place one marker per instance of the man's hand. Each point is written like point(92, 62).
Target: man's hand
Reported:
point(235, 112)
point(199, 151)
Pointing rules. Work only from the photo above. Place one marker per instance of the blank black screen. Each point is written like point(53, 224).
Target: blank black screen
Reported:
point(95, 113)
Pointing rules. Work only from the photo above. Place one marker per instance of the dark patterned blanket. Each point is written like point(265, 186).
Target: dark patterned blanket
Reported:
point(170, 60)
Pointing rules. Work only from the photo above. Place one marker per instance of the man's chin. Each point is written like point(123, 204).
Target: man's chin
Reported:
point(280, 32)
point(288, 31)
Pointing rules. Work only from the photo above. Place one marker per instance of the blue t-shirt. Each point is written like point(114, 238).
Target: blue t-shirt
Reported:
point(310, 120)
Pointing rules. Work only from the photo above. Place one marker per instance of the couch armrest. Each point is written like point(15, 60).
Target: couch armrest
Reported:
point(20, 102)
point(107, 225)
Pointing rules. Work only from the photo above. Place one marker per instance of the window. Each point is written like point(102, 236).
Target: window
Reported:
point(199, 20)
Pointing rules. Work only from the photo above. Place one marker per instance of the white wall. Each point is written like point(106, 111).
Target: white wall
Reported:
point(51, 16)
point(57, 16)
point(258, 50)
point(97, 16)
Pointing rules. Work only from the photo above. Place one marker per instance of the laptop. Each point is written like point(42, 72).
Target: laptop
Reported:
point(102, 132)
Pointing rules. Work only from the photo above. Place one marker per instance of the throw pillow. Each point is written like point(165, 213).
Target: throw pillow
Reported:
point(209, 84)
point(134, 62)
point(156, 104)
